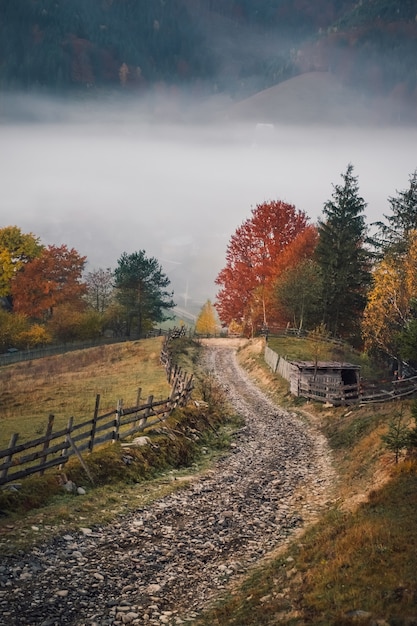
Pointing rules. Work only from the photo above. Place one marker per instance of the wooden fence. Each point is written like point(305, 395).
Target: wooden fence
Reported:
point(54, 448)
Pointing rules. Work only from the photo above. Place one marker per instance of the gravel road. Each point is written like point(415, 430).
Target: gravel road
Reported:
point(162, 564)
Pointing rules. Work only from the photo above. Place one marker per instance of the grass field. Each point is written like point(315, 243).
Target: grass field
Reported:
point(67, 385)
point(355, 565)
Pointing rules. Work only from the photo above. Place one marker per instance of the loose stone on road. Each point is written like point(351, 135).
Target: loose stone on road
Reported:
point(164, 563)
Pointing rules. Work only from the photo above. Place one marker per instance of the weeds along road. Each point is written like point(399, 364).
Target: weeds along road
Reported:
point(164, 563)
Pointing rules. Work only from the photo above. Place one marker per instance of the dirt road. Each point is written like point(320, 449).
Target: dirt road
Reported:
point(164, 563)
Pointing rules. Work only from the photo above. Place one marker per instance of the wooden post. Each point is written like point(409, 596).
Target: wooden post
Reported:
point(9, 457)
point(119, 411)
point(47, 440)
point(148, 411)
point(137, 404)
point(64, 453)
point(94, 426)
point(80, 458)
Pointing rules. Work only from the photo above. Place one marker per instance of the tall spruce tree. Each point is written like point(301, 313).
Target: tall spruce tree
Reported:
point(343, 258)
point(393, 234)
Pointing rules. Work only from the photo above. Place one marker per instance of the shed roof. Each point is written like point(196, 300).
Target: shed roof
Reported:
point(325, 365)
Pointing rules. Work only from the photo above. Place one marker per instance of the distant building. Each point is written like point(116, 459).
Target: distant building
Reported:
point(325, 381)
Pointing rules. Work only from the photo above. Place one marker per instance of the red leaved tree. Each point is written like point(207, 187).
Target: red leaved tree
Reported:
point(51, 279)
point(257, 252)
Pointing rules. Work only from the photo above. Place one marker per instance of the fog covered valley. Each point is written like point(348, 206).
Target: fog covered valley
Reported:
point(107, 178)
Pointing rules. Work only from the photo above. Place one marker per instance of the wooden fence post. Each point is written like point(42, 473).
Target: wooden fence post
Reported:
point(119, 412)
point(137, 404)
point(47, 440)
point(9, 457)
point(80, 458)
point(64, 453)
point(148, 411)
point(94, 426)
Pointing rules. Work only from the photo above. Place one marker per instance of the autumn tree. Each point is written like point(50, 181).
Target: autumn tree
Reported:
point(298, 291)
point(141, 289)
point(70, 323)
point(344, 258)
point(390, 301)
point(99, 285)
point(407, 337)
point(206, 323)
point(11, 328)
point(252, 263)
point(16, 249)
point(51, 279)
point(34, 336)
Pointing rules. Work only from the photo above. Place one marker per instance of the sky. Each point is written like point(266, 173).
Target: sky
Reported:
point(107, 180)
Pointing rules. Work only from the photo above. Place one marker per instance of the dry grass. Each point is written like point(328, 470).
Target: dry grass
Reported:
point(40, 508)
point(362, 554)
point(67, 385)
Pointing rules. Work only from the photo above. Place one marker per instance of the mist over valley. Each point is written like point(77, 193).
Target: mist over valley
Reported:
point(159, 126)
point(107, 180)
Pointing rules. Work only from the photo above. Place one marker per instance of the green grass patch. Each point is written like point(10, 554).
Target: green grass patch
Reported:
point(67, 385)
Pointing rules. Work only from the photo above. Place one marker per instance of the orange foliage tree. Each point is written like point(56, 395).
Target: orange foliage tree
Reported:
point(275, 237)
point(51, 279)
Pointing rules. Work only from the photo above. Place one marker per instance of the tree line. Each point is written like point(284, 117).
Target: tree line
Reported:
point(47, 297)
point(334, 275)
point(149, 46)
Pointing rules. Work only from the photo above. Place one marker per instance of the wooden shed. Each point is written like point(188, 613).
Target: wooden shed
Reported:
point(327, 381)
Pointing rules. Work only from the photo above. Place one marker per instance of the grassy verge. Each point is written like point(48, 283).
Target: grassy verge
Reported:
point(357, 564)
point(67, 385)
point(124, 477)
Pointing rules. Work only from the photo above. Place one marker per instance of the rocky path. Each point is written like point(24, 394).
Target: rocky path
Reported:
point(164, 563)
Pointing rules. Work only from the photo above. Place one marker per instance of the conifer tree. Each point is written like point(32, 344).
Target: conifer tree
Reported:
point(392, 236)
point(343, 258)
point(141, 289)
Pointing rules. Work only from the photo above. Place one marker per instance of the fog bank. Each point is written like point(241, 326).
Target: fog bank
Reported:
point(111, 181)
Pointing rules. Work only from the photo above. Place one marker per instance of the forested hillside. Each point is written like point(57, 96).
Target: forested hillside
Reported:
point(211, 46)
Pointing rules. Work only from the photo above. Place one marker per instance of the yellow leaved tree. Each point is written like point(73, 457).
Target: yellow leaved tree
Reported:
point(207, 323)
point(16, 249)
point(388, 309)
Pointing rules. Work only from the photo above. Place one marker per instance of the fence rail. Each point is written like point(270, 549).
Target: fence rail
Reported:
point(55, 448)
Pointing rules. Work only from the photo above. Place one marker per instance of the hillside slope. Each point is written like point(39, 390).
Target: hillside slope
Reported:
point(320, 98)
point(236, 47)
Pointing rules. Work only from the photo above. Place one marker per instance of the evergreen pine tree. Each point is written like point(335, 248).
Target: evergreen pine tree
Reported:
point(392, 236)
point(343, 258)
point(397, 437)
point(141, 290)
